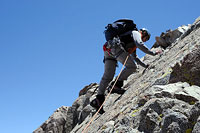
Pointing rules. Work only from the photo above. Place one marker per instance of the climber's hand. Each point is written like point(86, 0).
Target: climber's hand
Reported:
point(158, 52)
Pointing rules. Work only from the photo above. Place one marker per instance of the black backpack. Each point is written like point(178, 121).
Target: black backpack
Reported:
point(119, 27)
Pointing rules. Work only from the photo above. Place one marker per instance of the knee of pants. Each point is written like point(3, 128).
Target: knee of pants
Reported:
point(130, 70)
point(107, 76)
point(133, 70)
point(131, 66)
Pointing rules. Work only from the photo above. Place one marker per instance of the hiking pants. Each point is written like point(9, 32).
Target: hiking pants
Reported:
point(110, 67)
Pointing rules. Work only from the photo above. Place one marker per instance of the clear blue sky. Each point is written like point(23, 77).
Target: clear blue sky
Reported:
point(50, 49)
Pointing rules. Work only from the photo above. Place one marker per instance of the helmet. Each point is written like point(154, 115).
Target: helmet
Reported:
point(145, 32)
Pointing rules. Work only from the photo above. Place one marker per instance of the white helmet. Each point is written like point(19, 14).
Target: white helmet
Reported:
point(145, 32)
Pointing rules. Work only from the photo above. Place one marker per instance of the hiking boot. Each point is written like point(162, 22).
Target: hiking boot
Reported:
point(97, 102)
point(117, 88)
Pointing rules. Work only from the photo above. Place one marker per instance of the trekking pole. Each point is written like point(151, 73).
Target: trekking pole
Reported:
point(92, 119)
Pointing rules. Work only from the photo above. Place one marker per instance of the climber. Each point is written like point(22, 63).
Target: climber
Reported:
point(117, 48)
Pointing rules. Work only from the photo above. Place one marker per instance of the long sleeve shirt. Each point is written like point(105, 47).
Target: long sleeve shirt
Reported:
point(140, 44)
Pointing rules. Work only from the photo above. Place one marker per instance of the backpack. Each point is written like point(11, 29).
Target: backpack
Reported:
point(119, 27)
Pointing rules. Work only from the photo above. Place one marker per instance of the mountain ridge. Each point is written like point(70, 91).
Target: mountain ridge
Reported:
point(163, 98)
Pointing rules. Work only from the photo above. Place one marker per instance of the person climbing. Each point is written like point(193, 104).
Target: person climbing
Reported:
point(122, 39)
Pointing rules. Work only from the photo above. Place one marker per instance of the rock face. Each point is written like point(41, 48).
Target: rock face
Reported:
point(170, 36)
point(56, 122)
point(188, 70)
point(165, 98)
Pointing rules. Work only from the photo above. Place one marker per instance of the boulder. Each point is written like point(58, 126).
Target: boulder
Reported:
point(170, 36)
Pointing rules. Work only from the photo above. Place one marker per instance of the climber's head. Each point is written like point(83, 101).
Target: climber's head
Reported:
point(145, 34)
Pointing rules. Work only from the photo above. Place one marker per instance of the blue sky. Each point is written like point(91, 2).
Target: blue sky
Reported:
point(50, 50)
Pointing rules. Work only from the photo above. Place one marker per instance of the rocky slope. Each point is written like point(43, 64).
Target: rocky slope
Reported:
point(165, 98)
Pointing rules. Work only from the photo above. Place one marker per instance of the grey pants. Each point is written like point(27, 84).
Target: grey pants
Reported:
point(110, 67)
